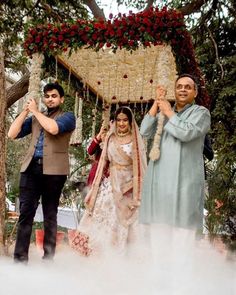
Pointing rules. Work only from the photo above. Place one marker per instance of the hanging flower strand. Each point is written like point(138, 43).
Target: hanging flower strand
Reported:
point(80, 121)
point(76, 137)
point(94, 114)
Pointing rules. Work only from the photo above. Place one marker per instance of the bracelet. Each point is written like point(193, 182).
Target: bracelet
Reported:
point(97, 140)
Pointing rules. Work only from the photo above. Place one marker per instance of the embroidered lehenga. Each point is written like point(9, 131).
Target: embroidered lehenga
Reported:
point(112, 204)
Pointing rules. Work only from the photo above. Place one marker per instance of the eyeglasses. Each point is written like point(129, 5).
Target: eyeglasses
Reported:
point(185, 87)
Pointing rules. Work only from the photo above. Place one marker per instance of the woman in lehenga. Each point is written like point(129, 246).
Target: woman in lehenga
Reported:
point(111, 215)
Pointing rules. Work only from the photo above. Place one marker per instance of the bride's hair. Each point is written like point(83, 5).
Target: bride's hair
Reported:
point(126, 111)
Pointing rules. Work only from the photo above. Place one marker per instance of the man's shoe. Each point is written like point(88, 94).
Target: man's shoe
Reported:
point(47, 257)
point(21, 260)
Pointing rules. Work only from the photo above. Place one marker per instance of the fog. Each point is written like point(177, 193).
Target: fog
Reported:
point(169, 261)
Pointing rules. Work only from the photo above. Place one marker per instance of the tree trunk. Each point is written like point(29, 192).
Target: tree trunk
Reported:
point(3, 105)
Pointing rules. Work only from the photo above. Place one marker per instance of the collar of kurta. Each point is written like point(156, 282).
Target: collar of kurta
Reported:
point(183, 109)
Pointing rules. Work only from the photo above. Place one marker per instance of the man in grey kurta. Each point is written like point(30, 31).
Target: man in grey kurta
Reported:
point(173, 187)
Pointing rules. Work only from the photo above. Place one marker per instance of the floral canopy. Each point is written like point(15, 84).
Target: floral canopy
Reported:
point(124, 58)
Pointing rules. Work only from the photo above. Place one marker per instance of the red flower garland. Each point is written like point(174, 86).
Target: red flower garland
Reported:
point(151, 27)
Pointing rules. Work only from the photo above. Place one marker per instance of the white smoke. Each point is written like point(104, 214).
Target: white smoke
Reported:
point(171, 261)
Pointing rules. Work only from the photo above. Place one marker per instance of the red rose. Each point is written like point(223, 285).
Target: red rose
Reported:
point(119, 33)
point(74, 27)
point(33, 32)
point(55, 30)
point(37, 39)
point(131, 43)
point(30, 40)
point(64, 31)
point(84, 38)
point(142, 29)
point(112, 33)
point(94, 36)
point(54, 39)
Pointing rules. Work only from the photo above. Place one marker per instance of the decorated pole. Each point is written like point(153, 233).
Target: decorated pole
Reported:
point(3, 105)
point(165, 63)
point(35, 76)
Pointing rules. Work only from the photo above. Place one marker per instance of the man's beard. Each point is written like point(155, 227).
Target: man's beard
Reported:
point(52, 110)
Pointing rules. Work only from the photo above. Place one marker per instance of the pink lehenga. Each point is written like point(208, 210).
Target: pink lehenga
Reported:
point(110, 219)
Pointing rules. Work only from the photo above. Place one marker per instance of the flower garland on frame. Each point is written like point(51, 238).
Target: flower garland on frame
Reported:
point(35, 76)
point(164, 65)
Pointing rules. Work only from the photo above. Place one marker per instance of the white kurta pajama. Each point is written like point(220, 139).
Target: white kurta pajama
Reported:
point(173, 187)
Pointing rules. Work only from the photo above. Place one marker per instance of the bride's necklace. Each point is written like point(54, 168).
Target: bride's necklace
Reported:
point(120, 134)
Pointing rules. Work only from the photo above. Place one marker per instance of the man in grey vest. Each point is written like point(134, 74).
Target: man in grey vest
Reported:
point(45, 167)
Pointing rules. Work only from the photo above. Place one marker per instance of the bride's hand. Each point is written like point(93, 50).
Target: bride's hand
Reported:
point(86, 200)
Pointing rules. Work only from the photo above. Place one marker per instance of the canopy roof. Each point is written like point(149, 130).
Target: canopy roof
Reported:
point(122, 59)
point(124, 76)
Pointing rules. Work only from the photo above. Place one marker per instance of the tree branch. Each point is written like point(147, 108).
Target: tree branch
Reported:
point(18, 90)
point(192, 7)
point(216, 51)
point(207, 16)
point(149, 4)
point(96, 10)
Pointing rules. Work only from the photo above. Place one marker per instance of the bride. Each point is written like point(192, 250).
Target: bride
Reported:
point(114, 198)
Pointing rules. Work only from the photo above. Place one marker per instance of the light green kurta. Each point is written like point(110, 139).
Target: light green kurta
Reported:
point(173, 187)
